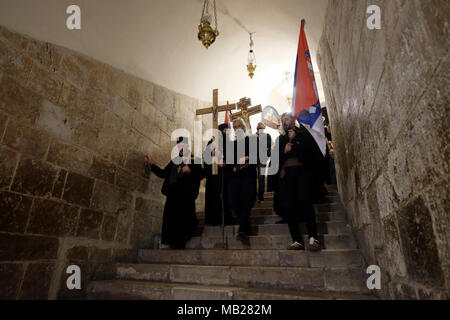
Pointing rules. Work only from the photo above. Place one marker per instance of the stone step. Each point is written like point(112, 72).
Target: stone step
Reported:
point(321, 217)
point(147, 290)
point(331, 188)
point(329, 227)
point(328, 199)
point(285, 278)
point(263, 204)
point(268, 202)
point(260, 294)
point(328, 207)
point(331, 216)
point(268, 242)
point(256, 211)
point(266, 209)
point(282, 258)
point(260, 211)
point(332, 192)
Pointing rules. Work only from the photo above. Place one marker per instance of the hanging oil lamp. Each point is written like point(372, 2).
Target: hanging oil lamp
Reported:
point(251, 66)
point(206, 34)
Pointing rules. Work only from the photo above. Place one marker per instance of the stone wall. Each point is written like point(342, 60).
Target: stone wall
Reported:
point(73, 135)
point(388, 95)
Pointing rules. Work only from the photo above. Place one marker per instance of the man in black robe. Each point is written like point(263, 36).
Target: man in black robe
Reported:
point(266, 145)
point(241, 175)
point(215, 183)
point(299, 158)
point(181, 187)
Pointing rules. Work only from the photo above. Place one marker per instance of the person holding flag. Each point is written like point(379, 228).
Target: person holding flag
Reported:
point(302, 151)
point(298, 155)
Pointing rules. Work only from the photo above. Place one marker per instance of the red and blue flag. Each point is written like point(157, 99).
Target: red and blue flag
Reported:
point(305, 102)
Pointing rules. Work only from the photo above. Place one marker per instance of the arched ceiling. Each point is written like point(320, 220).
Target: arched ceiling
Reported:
point(157, 40)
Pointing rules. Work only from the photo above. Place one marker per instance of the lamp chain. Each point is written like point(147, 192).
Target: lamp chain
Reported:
point(206, 9)
point(215, 13)
point(203, 10)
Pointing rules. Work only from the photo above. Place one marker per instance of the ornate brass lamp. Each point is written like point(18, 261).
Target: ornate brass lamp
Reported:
point(251, 66)
point(206, 34)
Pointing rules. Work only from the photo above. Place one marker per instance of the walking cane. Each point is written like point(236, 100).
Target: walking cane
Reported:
point(223, 208)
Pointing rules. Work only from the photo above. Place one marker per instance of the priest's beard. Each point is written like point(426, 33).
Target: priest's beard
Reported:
point(240, 134)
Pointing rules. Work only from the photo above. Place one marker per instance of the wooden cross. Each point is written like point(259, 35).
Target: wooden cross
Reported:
point(214, 110)
point(246, 112)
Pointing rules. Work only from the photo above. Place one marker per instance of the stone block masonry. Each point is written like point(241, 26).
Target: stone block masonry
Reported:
point(388, 93)
point(73, 135)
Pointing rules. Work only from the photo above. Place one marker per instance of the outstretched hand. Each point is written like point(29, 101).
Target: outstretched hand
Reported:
point(148, 160)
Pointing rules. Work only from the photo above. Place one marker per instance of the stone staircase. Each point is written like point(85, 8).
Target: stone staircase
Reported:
point(260, 269)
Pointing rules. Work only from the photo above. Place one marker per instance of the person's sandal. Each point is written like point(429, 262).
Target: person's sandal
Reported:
point(313, 245)
point(296, 246)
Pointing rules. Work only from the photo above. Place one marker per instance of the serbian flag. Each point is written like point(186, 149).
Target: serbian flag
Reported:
point(305, 102)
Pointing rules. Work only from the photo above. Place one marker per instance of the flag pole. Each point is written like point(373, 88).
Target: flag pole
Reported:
point(224, 244)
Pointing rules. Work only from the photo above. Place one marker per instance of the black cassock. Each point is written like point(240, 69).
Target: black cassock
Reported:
point(241, 184)
point(213, 190)
point(298, 180)
point(181, 191)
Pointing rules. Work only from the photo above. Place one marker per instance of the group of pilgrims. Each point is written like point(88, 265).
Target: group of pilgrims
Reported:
point(232, 192)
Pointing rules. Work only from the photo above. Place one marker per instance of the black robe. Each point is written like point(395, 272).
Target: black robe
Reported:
point(241, 185)
point(306, 150)
point(267, 151)
point(213, 190)
point(181, 190)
